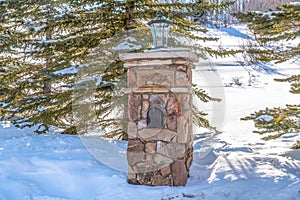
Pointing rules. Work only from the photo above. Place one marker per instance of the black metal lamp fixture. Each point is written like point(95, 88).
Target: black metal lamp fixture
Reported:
point(160, 28)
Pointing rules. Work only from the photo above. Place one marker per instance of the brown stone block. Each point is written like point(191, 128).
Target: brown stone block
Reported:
point(184, 128)
point(189, 156)
point(181, 79)
point(191, 66)
point(173, 105)
point(166, 171)
point(150, 147)
point(179, 172)
point(190, 76)
point(155, 77)
point(146, 63)
point(134, 105)
point(153, 134)
point(133, 158)
point(166, 135)
point(172, 122)
point(180, 61)
point(149, 162)
point(158, 180)
point(185, 102)
point(145, 108)
point(182, 68)
point(181, 90)
point(162, 161)
point(142, 124)
point(131, 176)
point(156, 99)
point(145, 178)
point(143, 90)
point(135, 145)
point(160, 90)
point(182, 137)
point(128, 90)
point(132, 130)
point(131, 78)
point(147, 134)
point(145, 96)
point(172, 150)
point(164, 98)
point(180, 125)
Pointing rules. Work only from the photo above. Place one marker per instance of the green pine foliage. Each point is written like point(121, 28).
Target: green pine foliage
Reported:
point(45, 44)
point(282, 26)
point(297, 145)
point(275, 30)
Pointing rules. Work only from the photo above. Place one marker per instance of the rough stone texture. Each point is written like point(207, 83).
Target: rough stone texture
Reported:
point(134, 105)
point(173, 106)
point(131, 176)
point(148, 134)
point(131, 76)
point(189, 76)
point(181, 134)
point(145, 108)
point(152, 134)
point(185, 102)
point(133, 158)
point(162, 161)
point(143, 90)
point(166, 135)
point(145, 96)
point(181, 68)
point(160, 180)
point(145, 178)
point(164, 97)
point(189, 157)
point(132, 130)
point(166, 171)
point(181, 79)
point(182, 138)
point(155, 77)
point(179, 172)
point(148, 161)
point(160, 90)
point(142, 166)
point(172, 122)
point(135, 145)
point(172, 150)
point(142, 124)
point(128, 90)
point(159, 156)
point(147, 63)
point(180, 61)
point(156, 99)
point(181, 90)
point(150, 147)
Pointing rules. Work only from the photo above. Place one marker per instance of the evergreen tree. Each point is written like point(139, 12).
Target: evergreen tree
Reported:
point(274, 29)
point(280, 26)
point(44, 44)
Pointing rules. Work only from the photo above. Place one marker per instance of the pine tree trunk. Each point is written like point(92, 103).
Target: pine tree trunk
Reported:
point(130, 22)
point(47, 81)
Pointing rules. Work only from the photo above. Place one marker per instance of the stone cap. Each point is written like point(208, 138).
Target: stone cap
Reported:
point(160, 55)
point(158, 90)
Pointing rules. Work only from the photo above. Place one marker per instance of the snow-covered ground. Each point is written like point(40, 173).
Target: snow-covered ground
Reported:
point(233, 165)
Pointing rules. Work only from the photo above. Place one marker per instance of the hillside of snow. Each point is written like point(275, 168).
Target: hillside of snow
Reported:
point(233, 165)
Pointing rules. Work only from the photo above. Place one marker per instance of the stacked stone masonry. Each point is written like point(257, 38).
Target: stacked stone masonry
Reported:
point(160, 145)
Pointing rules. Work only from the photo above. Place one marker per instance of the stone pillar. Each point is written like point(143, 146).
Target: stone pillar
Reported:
point(159, 87)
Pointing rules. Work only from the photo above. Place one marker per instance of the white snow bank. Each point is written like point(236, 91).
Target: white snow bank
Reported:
point(295, 3)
